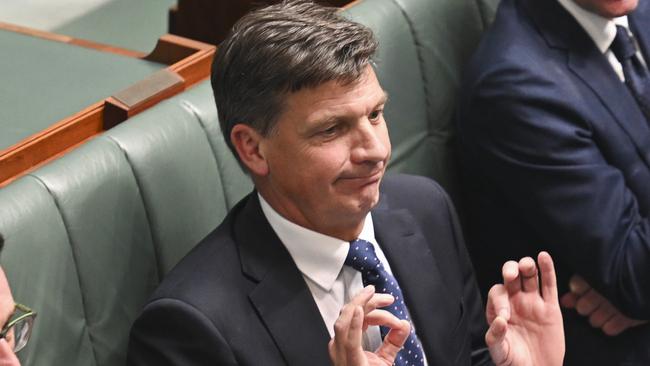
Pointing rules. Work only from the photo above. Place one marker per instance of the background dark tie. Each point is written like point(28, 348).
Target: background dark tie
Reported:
point(362, 257)
point(636, 74)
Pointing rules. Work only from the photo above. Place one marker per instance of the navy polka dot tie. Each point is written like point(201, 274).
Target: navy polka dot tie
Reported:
point(362, 257)
point(636, 74)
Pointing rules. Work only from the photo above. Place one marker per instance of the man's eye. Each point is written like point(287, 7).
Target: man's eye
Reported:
point(329, 131)
point(374, 116)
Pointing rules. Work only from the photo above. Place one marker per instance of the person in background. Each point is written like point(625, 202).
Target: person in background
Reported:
point(328, 261)
point(17, 322)
point(555, 145)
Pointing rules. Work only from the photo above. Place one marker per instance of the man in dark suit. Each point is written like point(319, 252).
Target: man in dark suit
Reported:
point(556, 154)
point(290, 276)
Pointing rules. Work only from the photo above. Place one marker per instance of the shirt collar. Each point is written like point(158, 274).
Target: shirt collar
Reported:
point(319, 257)
point(600, 29)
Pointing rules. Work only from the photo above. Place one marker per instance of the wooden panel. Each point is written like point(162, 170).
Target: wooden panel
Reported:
point(210, 20)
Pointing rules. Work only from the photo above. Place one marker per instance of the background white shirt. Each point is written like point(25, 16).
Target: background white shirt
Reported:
point(602, 31)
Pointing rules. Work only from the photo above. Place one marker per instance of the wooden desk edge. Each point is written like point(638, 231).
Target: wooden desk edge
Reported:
point(191, 60)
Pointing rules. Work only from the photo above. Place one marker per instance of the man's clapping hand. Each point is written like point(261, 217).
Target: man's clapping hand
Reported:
point(524, 316)
point(346, 348)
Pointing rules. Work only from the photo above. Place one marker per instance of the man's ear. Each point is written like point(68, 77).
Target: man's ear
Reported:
point(246, 141)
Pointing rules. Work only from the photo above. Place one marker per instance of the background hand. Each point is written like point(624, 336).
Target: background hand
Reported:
point(601, 313)
point(525, 322)
point(7, 356)
point(346, 347)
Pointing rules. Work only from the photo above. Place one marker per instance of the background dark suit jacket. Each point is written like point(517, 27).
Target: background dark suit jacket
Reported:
point(239, 299)
point(556, 156)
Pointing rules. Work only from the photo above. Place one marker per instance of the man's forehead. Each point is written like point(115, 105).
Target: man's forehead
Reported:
point(335, 97)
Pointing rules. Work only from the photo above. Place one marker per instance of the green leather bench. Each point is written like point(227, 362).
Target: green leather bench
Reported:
point(90, 235)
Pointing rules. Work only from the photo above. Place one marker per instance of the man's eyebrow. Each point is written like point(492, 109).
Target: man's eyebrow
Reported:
point(383, 100)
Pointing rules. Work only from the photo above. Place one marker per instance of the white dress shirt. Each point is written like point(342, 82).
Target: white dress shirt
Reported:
point(320, 259)
point(601, 30)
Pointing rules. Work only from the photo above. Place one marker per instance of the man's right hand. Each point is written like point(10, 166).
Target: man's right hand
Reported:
point(346, 347)
point(591, 304)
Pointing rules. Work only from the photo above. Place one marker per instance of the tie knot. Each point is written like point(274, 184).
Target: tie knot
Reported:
point(361, 256)
point(623, 45)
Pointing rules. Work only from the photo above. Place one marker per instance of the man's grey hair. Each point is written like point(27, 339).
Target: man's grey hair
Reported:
point(281, 49)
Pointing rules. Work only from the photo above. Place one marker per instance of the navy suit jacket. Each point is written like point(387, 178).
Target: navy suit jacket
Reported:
point(239, 299)
point(556, 156)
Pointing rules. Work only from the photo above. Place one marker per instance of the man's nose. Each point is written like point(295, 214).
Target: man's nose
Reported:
point(371, 145)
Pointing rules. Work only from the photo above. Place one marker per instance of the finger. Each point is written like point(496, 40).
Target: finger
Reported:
point(620, 323)
point(578, 285)
point(498, 304)
point(510, 272)
point(363, 297)
point(377, 301)
point(549, 280)
point(569, 300)
point(605, 312)
point(341, 329)
point(616, 325)
point(528, 274)
point(394, 341)
point(354, 347)
point(382, 318)
point(589, 302)
point(495, 338)
point(331, 349)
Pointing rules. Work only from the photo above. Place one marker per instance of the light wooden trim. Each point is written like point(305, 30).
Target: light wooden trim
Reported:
point(31, 152)
point(71, 40)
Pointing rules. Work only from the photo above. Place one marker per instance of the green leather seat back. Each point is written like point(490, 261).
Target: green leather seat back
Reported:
point(235, 183)
point(104, 215)
point(40, 264)
point(90, 235)
point(423, 46)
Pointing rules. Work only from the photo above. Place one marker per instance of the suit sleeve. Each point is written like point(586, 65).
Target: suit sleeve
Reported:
point(544, 158)
point(171, 332)
point(471, 294)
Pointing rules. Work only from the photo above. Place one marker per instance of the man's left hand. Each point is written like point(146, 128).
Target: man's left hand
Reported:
point(525, 321)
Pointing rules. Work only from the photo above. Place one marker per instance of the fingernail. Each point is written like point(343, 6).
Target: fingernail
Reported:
point(369, 288)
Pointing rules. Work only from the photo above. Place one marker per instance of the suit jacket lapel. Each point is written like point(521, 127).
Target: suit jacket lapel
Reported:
point(282, 299)
point(562, 31)
point(422, 284)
